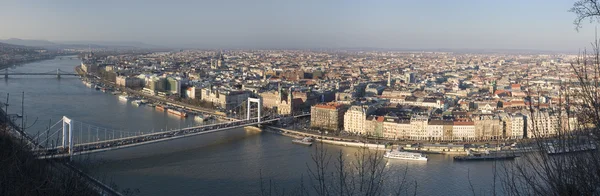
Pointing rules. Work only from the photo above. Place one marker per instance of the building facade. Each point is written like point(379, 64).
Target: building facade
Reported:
point(329, 116)
point(354, 119)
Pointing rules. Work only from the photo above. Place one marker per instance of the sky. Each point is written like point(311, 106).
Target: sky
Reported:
point(399, 24)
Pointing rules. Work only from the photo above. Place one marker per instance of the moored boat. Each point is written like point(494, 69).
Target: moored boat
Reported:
point(553, 149)
point(305, 141)
point(88, 84)
point(177, 112)
point(160, 107)
point(123, 97)
point(397, 154)
point(137, 102)
point(485, 156)
point(199, 117)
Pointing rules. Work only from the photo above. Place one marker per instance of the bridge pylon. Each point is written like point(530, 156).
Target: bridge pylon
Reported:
point(67, 131)
point(58, 73)
point(255, 100)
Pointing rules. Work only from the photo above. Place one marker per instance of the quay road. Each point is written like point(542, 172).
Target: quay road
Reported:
point(100, 146)
point(156, 98)
point(175, 103)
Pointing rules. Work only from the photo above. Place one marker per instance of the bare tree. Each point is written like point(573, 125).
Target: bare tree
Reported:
point(570, 173)
point(22, 174)
point(585, 9)
point(363, 173)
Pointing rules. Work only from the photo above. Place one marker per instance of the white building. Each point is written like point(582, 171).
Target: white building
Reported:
point(396, 128)
point(463, 130)
point(419, 128)
point(515, 126)
point(354, 119)
point(435, 129)
point(129, 82)
point(544, 124)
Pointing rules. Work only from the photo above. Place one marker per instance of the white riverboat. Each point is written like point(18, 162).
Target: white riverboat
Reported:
point(305, 141)
point(396, 154)
point(199, 118)
point(123, 97)
point(555, 148)
point(137, 102)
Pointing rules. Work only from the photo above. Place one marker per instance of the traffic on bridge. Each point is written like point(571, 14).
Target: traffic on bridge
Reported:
point(152, 137)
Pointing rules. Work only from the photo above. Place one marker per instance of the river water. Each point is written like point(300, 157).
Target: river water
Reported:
point(222, 163)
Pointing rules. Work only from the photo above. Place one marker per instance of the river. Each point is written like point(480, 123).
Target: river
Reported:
point(223, 163)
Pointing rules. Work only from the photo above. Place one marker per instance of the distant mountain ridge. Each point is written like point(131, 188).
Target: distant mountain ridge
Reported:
point(77, 44)
point(15, 46)
point(32, 43)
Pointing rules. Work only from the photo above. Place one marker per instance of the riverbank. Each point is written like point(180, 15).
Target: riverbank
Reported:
point(433, 148)
point(324, 139)
point(5, 66)
point(111, 84)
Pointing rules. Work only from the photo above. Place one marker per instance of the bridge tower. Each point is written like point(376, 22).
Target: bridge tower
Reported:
point(67, 131)
point(6, 73)
point(259, 102)
point(58, 73)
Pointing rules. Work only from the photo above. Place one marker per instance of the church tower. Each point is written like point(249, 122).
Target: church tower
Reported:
point(389, 84)
point(290, 98)
point(279, 93)
point(221, 61)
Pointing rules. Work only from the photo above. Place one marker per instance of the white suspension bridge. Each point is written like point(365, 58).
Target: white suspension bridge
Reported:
point(69, 137)
point(58, 73)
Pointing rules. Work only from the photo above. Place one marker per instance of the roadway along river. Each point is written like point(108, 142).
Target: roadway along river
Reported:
point(224, 163)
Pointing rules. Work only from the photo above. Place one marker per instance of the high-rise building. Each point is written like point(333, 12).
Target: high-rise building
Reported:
point(410, 77)
point(173, 86)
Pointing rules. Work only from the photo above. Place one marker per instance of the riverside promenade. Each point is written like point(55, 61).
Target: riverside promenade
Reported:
point(325, 139)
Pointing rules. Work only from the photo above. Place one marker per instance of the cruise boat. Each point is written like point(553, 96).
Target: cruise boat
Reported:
point(397, 154)
point(485, 156)
point(123, 97)
point(177, 112)
point(305, 141)
point(137, 102)
point(199, 117)
point(553, 149)
point(88, 84)
point(160, 107)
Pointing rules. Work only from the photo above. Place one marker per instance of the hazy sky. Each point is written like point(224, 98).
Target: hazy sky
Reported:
point(417, 24)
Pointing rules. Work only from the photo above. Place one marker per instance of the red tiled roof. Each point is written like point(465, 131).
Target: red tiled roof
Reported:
point(330, 105)
point(464, 123)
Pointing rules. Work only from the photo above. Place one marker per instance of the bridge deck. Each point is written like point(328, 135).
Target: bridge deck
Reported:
point(127, 142)
point(40, 74)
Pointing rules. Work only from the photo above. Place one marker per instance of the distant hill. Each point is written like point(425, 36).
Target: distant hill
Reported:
point(112, 44)
point(33, 43)
point(78, 44)
point(14, 46)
